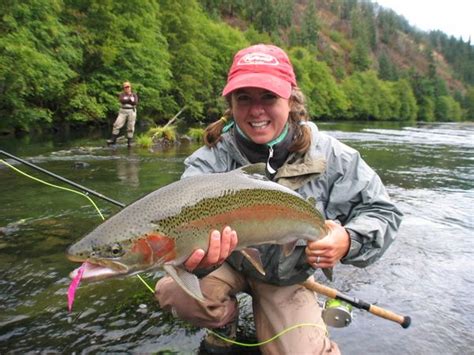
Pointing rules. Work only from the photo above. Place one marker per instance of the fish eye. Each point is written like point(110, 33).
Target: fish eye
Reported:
point(116, 249)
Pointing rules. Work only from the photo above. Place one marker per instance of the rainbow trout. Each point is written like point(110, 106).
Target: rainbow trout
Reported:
point(163, 228)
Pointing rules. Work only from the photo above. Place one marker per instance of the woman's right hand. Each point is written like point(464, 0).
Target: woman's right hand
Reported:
point(221, 245)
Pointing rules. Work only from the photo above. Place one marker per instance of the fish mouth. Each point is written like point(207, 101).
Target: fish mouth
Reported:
point(95, 269)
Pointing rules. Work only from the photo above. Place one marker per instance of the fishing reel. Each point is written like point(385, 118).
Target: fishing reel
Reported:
point(337, 313)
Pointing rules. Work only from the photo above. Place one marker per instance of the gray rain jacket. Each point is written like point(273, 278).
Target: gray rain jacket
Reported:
point(346, 189)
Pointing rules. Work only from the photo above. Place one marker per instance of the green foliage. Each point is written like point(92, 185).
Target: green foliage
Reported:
point(324, 97)
point(166, 132)
point(469, 103)
point(197, 134)
point(447, 109)
point(121, 42)
point(387, 70)
point(457, 52)
point(254, 37)
point(65, 60)
point(360, 55)
point(37, 54)
point(201, 51)
point(370, 97)
point(426, 109)
point(405, 101)
point(144, 141)
point(387, 22)
point(338, 37)
point(310, 26)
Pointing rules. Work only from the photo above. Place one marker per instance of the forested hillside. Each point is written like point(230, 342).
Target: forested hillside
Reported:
point(63, 61)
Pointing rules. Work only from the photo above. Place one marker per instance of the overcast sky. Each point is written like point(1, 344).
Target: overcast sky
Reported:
point(453, 17)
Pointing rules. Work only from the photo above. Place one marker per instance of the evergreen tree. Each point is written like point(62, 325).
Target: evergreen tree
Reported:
point(387, 71)
point(360, 55)
point(310, 25)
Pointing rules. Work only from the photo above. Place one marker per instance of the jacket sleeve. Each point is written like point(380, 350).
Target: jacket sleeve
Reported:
point(358, 199)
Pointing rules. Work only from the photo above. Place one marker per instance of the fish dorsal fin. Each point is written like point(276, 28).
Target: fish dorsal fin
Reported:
point(253, 256)
point(257, 170)
point(188, 282)
point(288, 248)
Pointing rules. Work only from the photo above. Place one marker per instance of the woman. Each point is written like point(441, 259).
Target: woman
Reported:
point(267, 122)
point(127, 113)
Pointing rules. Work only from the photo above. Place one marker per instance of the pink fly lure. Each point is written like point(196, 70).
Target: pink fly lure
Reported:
point(71, 292)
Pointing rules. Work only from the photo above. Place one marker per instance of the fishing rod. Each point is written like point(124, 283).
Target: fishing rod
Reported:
point(404, 321)
point(72, 183)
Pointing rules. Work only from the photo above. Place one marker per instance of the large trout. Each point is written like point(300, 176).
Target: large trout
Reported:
point(163, 228)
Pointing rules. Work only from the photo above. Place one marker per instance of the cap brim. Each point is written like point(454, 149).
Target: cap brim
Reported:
point(263, 81)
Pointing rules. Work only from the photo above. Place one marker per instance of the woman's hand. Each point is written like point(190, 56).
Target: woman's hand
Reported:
point(220, 247)
point(326, 252)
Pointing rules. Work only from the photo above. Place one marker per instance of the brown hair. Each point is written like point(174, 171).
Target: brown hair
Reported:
point(297, 118)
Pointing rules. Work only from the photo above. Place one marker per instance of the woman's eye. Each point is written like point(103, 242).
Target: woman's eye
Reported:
point(267, 98)
point(243, 98)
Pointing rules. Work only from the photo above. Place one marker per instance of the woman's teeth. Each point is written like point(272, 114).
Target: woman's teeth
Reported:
point(259, 125)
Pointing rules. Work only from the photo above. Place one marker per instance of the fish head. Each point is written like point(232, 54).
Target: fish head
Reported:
point(112, 251)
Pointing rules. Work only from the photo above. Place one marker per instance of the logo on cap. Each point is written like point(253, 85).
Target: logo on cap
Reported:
point(258, 59)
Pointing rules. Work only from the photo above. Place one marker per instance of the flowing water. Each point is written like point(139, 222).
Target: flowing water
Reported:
point(427, 273)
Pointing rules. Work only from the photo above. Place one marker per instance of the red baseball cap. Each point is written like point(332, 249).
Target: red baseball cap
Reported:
point(261, 66)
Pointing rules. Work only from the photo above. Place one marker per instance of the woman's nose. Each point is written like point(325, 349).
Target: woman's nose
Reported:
point(256, 109)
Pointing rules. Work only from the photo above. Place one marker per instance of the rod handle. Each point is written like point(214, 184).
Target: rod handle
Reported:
point(404, 321)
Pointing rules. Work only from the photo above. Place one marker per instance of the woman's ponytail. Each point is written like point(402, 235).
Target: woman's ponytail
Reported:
point(298, 118)
point(212, 133)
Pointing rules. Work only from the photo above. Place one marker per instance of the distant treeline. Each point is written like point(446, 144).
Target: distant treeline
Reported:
point(63, 61)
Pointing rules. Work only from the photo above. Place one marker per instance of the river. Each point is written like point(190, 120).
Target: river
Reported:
point(427, 273)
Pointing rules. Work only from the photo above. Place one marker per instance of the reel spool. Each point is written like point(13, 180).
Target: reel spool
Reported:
point(337, 313)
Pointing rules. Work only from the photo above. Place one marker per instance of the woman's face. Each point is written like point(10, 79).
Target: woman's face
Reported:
point(259, 113)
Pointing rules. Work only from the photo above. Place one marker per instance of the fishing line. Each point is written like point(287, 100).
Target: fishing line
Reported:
point(273, 337)
point(52, 185)
point(144, 282)
point(70, 190)
point(249, 345)
point(284, 331)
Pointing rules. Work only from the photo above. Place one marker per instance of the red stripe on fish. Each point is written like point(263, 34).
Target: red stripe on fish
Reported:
point(256, 212)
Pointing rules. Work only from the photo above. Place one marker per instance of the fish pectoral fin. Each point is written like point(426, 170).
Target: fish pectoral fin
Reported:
point(188, 282)
point(253, 256)
point(288, 248)
point(328, 272)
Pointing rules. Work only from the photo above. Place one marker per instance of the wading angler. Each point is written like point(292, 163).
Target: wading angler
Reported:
point(262, 243)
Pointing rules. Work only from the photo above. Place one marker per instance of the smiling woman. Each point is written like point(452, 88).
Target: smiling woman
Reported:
point(267, 123)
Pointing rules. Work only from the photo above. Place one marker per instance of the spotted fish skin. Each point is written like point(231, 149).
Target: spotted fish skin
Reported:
point(163, 228)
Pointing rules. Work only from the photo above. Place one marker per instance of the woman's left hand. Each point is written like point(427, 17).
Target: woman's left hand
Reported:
point(326, 252)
